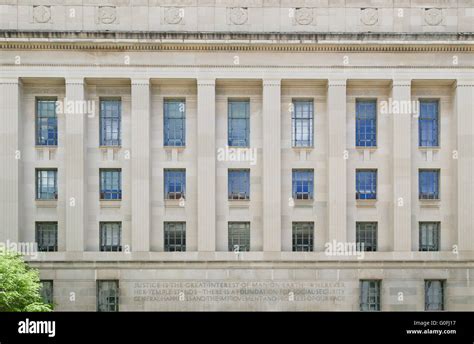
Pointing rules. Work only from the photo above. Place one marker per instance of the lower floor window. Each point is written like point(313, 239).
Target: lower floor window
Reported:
point(107, 296)
point(239, 236)
point(434, 295)
point(46, 291)
point(175, 236)
point(303, 233)
point(370, 295)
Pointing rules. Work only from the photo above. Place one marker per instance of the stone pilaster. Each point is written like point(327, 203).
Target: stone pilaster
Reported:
point(206, 164)
point(465, 163)
point(272, 165)
point(140, 165)
point(337, 185)
point(10, 159)
point(401, 93)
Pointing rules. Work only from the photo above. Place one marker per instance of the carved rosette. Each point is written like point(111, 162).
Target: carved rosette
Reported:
point(369, 16)
point(42, 14)
point(238, 15)
point(107, 14)
point(433, 16)
point(173, 15)
point(304, 16)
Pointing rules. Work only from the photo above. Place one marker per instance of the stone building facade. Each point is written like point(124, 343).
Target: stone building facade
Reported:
point(65, 65)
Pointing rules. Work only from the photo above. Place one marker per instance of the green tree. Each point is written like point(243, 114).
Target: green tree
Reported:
point(19, 285)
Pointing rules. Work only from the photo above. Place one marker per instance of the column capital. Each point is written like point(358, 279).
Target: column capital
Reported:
point(337, 83)
point(10, 81)
point(75, 81)
point(271, 82)
point(401, 83)
point(464, 83)
point(206, 82)
point(140, 82)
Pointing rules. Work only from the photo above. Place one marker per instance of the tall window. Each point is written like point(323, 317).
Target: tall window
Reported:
point(47, 236)
point(428, 124)
point(239, 184)
point(174, 122)
point(175, 184)
point(46, 122)
point(239, 236)
point(175, 236)
point(110, 118)
point(110, 184)
point(46, 291)
point(366, 184)
point(46, 184)
point(370, 295)
point(434, 295)
point(366, 236)
point(303, 184)
point(429, 236)
point(239, 123)
point(111, 236)
point(107, 296)
point(303, 236)
point(302, 123)
point(366, 123)
point(428, 184)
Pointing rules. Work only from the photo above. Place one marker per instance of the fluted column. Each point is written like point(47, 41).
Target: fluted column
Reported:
point(271, 165)
point(206, 164)
point(401, 94)
point(140, 165)
point(75, 160)
point(10, 159)
point(337, 185)
point(465, 161)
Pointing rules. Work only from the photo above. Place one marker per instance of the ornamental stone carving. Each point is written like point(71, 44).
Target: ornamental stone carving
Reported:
point(174, 15)
point(369, 16)
point(304, 16)
point(238, 15)
point(107, 14)
point(433, 16)
point(41, 14)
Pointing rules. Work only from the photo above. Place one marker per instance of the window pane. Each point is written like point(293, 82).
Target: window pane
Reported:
point(110, 184)
point(366, 236)
point(369, 295)
point(46, 184)
point(238, 123)
point(46, 123)
point(110, 118)
point(107, 296)
point(175, 183)
point(175, 236)
point(46, 291)
point(303, 234)
point(434, 295)
point(239, 184)
point(239, 236)
point(174, 123)
point(302, 123)
point(47, 236)
point(428, 184)
point(428, 124)
point(366, 184)
point(429, 236)
point(110, 236)
point(303, 181)
point(366, 123)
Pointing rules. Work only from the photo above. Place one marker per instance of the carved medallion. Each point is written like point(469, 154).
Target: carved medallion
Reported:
point(238, 15)
point(107, 14)
point(174, 15)
point(433, 16)
point(41, 14)
point(369, 16)
point(304, 16)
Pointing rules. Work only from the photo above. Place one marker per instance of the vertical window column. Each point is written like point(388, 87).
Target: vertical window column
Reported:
point(206, 164)
point(140, 165)
point(401, 93)
point(337, 185)
point(272, 165)
point(76, 165)
point(10, 165)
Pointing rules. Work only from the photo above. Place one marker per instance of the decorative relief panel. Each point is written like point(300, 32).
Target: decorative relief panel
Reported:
point(303, 16)
point(433, 16)
point(238, 15)
point(41, 14)
point(107, 15)
point(173, 15)
point(369, 16)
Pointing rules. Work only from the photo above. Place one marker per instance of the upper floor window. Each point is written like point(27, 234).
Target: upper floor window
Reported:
point(303, 184)
point(370, 295)
point(303, 236)
point(47, 236)
point(175, 183)
point(239, 184)
point(107, 296)
point(110, 236)
point(366, 184)
point(302, 123)
point(428, 123)
point(366, 236)
point(46, 184)
point(429, 236)
point(175, 236)
point(174, 122)
point(239, 236)
point(428, 184)
point(46, 122)
point(110, 184)
point(46, 291)
point(366, 123)
point(238, 123)
point(110, 122)
point(434, 295)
